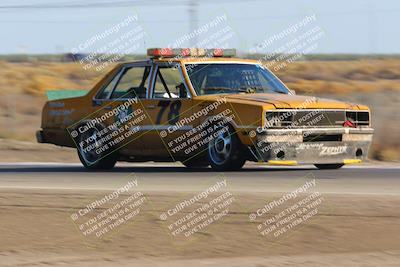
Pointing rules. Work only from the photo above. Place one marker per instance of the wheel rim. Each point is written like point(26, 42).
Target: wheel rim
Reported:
point(220, 148)
point(88, 144)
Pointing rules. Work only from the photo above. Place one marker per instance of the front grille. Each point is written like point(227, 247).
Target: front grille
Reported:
point(319, 117)
point(315, 118)
point(322, 138)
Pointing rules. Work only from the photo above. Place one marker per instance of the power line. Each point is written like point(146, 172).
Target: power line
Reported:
point(110, 4)
point(244, 18)
point(193, 9)
point(102, 4)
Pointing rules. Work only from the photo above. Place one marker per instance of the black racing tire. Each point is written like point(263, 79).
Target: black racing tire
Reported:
point(225, 151)
point(91, 160)
point(329, 166)
point(106, 163)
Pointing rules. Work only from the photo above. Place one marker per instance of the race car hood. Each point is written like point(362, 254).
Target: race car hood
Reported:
point(294, 101)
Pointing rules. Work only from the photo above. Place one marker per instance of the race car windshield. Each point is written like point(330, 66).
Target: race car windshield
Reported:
point(229, 78)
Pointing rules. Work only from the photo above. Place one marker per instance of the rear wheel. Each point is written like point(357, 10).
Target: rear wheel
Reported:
point(225, 150)
point(328, 166)
point(88, 151)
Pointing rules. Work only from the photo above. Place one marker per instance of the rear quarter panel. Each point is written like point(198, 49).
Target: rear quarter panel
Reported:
point(59, 115)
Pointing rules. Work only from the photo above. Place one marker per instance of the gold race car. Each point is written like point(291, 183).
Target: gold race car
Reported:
point(204, 107)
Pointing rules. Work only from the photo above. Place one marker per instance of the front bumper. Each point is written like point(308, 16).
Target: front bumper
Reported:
point(313, 146)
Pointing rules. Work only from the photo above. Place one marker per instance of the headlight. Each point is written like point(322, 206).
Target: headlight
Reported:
point(272, 120)
point(359, 118)
point(278, 119)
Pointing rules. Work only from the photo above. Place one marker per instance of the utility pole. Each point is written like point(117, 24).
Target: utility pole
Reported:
point(193, 9)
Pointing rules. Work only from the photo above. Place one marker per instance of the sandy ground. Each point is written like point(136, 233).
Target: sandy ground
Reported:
point(26, 151)
point(348, 230)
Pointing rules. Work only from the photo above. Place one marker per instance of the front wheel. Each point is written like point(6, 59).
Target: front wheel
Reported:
point(225, 150)
point(328, 166)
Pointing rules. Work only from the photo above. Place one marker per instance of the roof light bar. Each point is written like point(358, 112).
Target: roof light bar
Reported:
point(190, 52)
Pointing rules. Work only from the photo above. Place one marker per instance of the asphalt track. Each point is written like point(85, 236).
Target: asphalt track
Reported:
point(360, 179)
point(357, 224)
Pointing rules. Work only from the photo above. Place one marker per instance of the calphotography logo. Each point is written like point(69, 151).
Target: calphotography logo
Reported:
point(109, 213)
point(283, 215)
point(123, 115)
point(111, 45)
point(291, 44)
point(197, 213)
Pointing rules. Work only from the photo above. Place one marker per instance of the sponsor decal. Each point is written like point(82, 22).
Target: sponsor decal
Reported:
point(60, 112)
point(56, 104)
point(334, 150)
point(304, 146)
point(324, 150)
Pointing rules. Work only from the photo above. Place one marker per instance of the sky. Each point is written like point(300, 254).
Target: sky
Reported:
point(348, 26)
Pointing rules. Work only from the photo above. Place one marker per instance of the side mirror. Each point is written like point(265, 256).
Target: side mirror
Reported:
point(292, 92)
point(96, 103)
point(182, 90)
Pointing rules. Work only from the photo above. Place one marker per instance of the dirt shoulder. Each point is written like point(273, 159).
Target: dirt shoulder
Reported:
point(24, 151)
point(355, 230)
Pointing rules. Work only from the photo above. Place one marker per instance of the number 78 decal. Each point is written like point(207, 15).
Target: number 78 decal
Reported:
point(173, 114)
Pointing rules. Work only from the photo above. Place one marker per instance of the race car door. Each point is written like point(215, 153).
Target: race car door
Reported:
point(120, 103)
point(169, 111)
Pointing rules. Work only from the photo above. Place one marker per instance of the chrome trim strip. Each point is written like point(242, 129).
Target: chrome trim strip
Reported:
point(318, 130)
point(314, 109)
point(165, 127)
